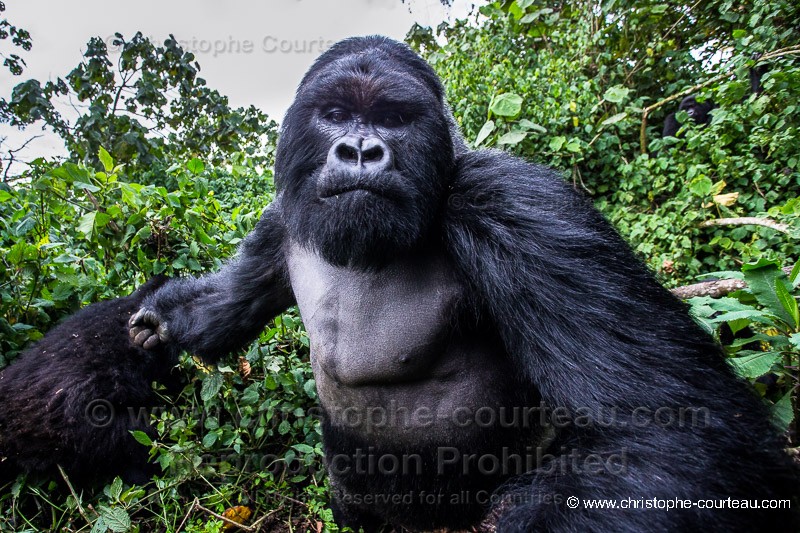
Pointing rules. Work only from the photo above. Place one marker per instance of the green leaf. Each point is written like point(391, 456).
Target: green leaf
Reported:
point(794, 277)
point(788, 302)
point(114, 490)
point(574, 146)
point(556, 143)
point(250, 395)
point(115, 518)
point(512, 138)
point(616, 94)
point(142, 438)
point(486, 130)
point(753, 366)
point(195, 166)
point(762, 278)
point(211, 386)
point(529, 125)
point(106, 159)
point(86, 224)
point(99, 526)
point(209, 440)
point(613, 120)
point(782, 412)
point(303, 448)
point(506, 105)
point(701, 186)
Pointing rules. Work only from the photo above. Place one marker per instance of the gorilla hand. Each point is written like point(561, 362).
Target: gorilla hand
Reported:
point(147, 329)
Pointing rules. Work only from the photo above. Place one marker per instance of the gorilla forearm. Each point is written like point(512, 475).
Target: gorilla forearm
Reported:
point(221, 312)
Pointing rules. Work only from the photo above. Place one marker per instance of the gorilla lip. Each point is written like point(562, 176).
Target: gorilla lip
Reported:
point(344, 190)
point(331, 190)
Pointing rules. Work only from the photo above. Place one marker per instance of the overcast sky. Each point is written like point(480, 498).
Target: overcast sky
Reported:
point(255, 52)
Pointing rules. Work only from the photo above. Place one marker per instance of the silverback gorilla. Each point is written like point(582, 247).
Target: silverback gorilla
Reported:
point(486, 348)
point(65, 400)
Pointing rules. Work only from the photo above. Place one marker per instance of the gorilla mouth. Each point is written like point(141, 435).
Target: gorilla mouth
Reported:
point(333, 190)
point(336, 191)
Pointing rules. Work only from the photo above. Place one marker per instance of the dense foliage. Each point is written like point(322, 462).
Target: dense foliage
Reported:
point(163, 176)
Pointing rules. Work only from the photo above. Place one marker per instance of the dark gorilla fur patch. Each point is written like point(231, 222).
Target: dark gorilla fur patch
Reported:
point(73, 398)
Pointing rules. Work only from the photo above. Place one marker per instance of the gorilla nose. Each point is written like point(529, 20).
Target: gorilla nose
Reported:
point(371, 153)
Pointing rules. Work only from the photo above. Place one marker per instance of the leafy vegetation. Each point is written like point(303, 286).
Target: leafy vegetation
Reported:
point(164, 177)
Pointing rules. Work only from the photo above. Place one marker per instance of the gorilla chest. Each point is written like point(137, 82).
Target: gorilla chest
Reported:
point(370, 328)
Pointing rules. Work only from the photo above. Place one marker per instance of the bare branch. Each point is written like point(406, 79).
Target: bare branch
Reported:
point(745, 221)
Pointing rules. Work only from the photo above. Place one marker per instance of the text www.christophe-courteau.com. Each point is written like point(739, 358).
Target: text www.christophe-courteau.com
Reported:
point(668, 504)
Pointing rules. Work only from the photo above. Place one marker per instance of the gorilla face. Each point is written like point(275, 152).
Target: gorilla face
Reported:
point(365, 154)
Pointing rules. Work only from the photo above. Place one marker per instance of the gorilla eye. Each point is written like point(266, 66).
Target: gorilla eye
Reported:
point(391, 119)
point(337, 116)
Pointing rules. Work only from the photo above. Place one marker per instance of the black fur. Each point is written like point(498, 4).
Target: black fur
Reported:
point(539, 300)
point(65, 400)
point(699, 113)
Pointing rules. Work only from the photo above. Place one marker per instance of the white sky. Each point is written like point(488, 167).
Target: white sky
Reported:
point(254, 52)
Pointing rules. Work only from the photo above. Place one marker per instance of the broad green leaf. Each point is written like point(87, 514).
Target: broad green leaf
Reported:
point(574, 146)
point(86, 223)
point(115, 518)
point(209, 440)
point(782, 412)
point(754, 315)
point(99, 526)
point(762, 278)
point(250, 395)
point(211, 386)
point(303, 448)
point(114, 490)
point(528, 125)
point(616, 94)
point(614, 119)
point(486, 130)
point(142, 438)
point(85, 185)
point(195, 166)
point(752, 366)
point(795, 340)
point(556, 143)
point(701, 186)
point(106, 159)
point(506, 105)
point(512, 138)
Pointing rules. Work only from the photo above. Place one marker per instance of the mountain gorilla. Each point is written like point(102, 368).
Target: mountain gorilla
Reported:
point(73, 398)
point(699, 113)
point(486, 348)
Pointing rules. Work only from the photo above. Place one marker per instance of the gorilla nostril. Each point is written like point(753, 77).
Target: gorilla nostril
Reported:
point(372, 155)
point(347, 153)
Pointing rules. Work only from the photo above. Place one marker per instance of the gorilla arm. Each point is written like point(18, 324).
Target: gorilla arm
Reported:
point(221, 312)
point(586, 324)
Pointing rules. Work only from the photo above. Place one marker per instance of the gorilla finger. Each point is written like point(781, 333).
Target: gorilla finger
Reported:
point(143, 335)
point(137, 318)
point(151, 342)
